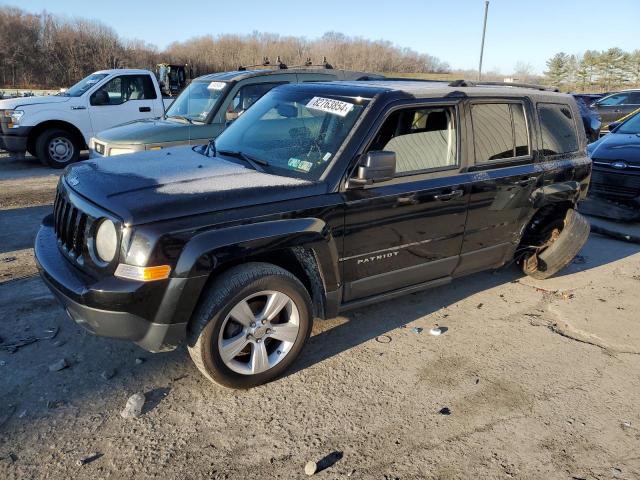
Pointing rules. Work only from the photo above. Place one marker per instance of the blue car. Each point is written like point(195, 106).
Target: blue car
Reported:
point(616, 163)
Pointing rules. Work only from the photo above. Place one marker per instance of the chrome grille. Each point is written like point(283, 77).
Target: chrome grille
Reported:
point(70, 225)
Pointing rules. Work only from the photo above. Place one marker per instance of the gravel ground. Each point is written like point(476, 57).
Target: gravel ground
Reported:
point(539, 379)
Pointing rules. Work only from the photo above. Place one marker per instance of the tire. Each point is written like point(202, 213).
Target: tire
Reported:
point(562, 250)
point(215, 323)
point(57, 148)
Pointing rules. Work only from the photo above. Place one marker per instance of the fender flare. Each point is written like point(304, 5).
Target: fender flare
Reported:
point(207, 251)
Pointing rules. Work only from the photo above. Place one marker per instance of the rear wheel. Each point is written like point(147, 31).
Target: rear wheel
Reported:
point(562, 240)
point(251, 325)
point(57, 148)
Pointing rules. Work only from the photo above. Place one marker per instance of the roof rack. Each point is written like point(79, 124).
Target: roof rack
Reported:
point(282, 66)
point(470, 83)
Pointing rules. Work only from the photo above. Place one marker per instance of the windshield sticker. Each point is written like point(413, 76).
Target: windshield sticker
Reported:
point(301, 165)
point(216, 86)
point(326, 157)
point(329, 105)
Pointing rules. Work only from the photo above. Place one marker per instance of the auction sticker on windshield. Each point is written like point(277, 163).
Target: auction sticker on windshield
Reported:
point(216, 86)
point(329, 105)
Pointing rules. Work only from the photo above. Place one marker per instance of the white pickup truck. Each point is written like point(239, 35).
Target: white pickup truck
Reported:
point(56, 128)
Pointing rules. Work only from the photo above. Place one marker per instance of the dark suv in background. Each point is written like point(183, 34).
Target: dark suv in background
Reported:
point(322, 197)
point(617, 105)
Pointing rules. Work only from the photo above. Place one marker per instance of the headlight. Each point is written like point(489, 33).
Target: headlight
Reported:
point(120, 151)
point(154, 147)
point(106, 241)
point(14, 117)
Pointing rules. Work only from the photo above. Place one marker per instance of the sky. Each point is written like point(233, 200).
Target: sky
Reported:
point(517, 30)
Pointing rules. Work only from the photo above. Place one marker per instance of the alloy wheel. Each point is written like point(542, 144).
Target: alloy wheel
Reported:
point(259, 332)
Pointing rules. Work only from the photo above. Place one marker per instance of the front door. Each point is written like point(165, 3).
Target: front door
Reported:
point(408, 230)
point(122, 99)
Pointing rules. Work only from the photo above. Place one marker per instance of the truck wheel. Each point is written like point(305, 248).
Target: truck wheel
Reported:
point(57, 148)
point(565, 239)
point(250, 326)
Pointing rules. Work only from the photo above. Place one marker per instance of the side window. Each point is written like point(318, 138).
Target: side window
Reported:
point(499, 131)
point(247, 96)
point(618, 99)
point(558, 129)
point(123, 89)
point(634, 98)
point(109, 94)
point(422, 139)
point(139, 87)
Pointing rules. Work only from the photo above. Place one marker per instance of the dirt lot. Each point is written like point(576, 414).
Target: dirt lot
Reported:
point(540, 378)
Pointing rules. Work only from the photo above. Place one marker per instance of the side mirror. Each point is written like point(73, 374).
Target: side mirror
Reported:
point(613, 126)
point(376, 166)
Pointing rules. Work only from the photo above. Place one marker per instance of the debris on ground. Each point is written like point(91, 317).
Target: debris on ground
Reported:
point(59, 365)
point(53, 404)
point(383, 339)
point(444, 411)
point(436, 331)
point(311, 467)
point(108, 374)
point(417, 329)
point(579, 260)
point(133, 408)
point(83, 461)
point(139, 361)
point(479, 306)
point(9, 259)
point(14, 344)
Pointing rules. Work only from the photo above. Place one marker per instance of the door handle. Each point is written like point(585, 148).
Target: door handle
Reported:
point(145, 109)
point(526, 181)
point(449, 196)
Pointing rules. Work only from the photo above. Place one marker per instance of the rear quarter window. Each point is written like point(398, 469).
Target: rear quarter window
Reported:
point(559, 133)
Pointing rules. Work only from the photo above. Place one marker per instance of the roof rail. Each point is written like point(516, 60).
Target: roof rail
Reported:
point(470, 83)
point(282, 66)
point(410, 79)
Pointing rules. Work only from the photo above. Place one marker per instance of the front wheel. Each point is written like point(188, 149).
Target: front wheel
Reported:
point(251, 325)
point(57, 148)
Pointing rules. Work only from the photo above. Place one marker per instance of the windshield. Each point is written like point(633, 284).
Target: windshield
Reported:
point(294, 133)
point(631, 126)
point(83, 85)
point(196, 101)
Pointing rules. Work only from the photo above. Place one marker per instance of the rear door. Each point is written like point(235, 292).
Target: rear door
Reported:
point(504, 177)
point(408, 230)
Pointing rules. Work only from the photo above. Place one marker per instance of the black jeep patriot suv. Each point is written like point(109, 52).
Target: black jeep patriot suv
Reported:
point(319, 198)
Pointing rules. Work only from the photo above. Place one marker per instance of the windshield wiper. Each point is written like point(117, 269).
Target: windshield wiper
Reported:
point(256, 163)
point(181, 117)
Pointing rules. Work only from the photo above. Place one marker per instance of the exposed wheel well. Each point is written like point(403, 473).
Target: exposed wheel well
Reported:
point(41, 127)
point(297, 260)
point(534, 228)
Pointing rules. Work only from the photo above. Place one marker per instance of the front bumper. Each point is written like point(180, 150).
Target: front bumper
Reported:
point(15, 139)
point(111, 307)
point(616, 185)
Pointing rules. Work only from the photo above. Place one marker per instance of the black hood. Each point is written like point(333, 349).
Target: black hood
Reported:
point(617, 146)
point(176, 182)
